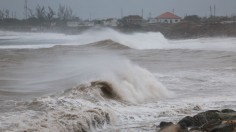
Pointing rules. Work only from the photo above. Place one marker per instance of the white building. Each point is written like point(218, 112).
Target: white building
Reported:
point(168, 18)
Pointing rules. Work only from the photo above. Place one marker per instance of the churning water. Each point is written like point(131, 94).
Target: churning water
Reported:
point(104, 80)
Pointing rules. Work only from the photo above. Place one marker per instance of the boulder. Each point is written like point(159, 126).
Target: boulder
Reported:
point(208, 121)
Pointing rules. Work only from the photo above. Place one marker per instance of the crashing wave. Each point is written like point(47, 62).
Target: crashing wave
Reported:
point(125, 82)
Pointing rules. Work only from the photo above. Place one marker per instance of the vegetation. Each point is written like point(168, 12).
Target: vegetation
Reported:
point(40, 16)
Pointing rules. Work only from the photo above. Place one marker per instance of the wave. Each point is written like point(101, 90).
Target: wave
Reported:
point(104, 44)
point(56, 114)
point(127, 82)
point(141, 40)
point(125, 79)
point(88, 105)
point(148, 40)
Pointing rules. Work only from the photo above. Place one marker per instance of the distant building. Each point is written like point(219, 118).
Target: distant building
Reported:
point(168, 18)
point(134, 20)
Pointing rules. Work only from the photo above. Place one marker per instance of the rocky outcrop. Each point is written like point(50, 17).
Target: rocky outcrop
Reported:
point(208, 121)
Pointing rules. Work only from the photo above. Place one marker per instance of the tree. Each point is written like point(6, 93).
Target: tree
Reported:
point(2, 14)
point(61, 10)
point(7, 13)
point(31, 13)
point(64, 13)
point(50, 14)
point(40, 13)
point(68, 14)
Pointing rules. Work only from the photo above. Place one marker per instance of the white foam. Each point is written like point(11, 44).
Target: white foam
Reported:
point(130, 81)
point(148, 40)
point(219, 44)
point(144, 40)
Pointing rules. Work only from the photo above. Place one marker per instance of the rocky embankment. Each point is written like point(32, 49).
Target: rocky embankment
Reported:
point(208, 121)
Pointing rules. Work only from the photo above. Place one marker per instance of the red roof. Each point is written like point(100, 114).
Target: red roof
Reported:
point(168, 15)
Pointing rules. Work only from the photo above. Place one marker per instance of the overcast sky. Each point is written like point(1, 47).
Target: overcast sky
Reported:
point(100, 9)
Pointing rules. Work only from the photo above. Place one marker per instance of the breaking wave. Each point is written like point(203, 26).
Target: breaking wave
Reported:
point(88, 105)
point(117, 78)
point(141, 40)
point(128, 82)
point(148, 40)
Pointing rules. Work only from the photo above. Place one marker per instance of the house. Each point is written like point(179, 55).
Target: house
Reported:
point(134, 20)
point(111, 22)
point(168, 18)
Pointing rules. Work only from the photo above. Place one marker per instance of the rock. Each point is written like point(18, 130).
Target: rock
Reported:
point(228, 116)
point(199, 119)
point(186, 122)
point(210, 125)
point(195, 131)
point(165, 124)
point(208, 121)
point(173, 128)
point(227, 111)
point(223, 128)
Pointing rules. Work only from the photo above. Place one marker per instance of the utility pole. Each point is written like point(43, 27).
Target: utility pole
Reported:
point(214, 11)
point(26, 9)
point(15, 14)
point(210, 12)
point(173, 11)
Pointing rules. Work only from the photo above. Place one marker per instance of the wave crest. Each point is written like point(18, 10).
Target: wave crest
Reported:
point(124, 82)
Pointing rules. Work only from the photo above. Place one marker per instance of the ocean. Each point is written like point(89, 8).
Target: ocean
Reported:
point(105, 80)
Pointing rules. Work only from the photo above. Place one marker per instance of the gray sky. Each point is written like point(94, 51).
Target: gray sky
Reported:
point(100, 9)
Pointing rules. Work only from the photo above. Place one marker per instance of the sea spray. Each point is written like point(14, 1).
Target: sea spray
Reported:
point(118, 76)
point(133, 83)
point(135, 40)
point(148, 40)
point(110, 80)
